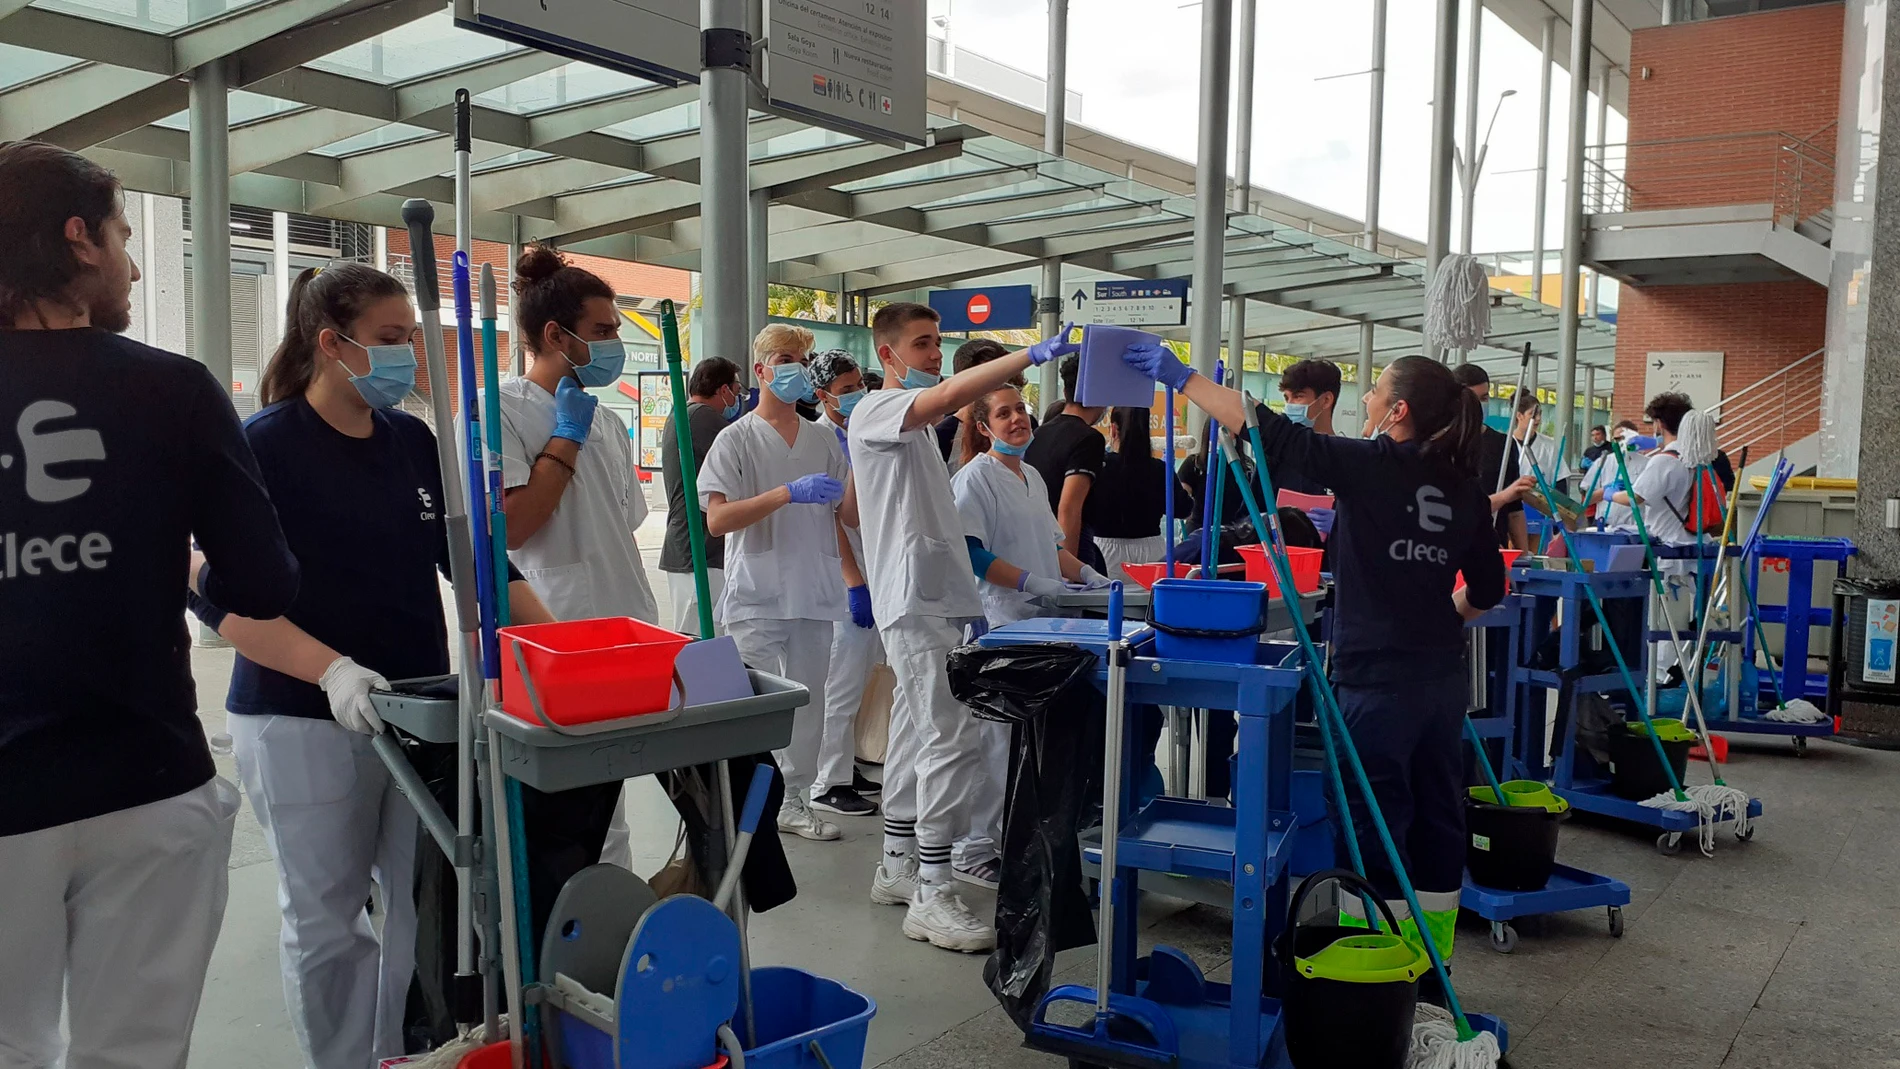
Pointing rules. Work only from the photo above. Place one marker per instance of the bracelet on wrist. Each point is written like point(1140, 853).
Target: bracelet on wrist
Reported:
point(545, 455)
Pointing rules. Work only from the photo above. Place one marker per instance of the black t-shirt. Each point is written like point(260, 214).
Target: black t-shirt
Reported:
point(114, 456)
point(947, 435)
point(1190, 502)
point(1407, 525)
point(1494, 449)
point(676, 552)
point(1128, 499)
point(365, 518)
point(1062, 447)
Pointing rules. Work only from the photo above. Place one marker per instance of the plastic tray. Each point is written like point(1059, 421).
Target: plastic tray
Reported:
point(428, 719)
point(550, 761)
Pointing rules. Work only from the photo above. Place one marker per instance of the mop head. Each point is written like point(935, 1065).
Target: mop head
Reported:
point(1435, 1043)
point(1458, 303)
point(1798, 711)
point(450, 1054)
point(1696, 437)
point(1713, 804)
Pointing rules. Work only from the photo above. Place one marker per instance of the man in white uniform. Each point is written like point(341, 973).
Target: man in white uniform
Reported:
point(772, 485)
point(854, 643)
point(1664, 490)
point(922, 590)
point(567, 466)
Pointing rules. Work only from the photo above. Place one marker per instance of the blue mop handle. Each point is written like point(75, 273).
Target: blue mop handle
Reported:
point(1212, 480)
point(477, 481)
point(1114, 610)
point(755, 796)
point(1330, 706)
point(1167, 447)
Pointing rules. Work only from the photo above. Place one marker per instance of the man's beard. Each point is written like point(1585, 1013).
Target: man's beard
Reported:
point(116, 319)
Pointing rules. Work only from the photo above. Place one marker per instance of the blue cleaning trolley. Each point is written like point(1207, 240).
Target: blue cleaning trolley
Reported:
point(1796, 615)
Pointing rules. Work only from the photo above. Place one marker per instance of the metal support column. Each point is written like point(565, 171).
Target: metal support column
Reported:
point(1055, 120)
point(758, 261)
point(1543, 159)
point(1444, 104)
point(280, 265)
point(1589, 402)
point(1210, 185)
point(210, 141)
point(1582, 14)
point(1375, 162)
point(1602, 148)
point(1243, 165)
point(726, 49)
point(1468, 157)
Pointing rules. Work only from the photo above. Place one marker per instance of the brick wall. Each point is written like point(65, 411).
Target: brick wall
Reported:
point(1719, 81)
point(1760, 326)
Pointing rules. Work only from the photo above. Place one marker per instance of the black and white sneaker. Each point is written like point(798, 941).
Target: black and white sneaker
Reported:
point(983, 874)
point(844, 801)
point(863, 785)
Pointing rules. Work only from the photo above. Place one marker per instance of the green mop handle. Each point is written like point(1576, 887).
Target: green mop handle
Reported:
point(491, 426)
point(689, 473)
point(1337, 722)
point(1616, 651)
point(1636, 510)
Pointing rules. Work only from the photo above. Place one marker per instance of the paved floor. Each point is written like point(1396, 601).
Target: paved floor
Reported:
point(1775, 954)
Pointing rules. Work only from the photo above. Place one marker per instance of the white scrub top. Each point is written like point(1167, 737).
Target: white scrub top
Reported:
point(1604, 474)
point(854, 535)
point(784, 567)
point(583, 563)
point(1665, 486)
point(915, 556)
point(1010, 513)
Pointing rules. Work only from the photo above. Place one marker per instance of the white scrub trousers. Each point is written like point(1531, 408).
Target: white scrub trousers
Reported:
point(1119, 551)
point(799, 650)
point(115, 916)
point(683, 591)
point(335, 823)
point(935, 769)
point(854, 650)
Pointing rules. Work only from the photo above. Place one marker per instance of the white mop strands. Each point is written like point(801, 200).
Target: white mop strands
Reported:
point(1458, 303)
point(1435, 1043)
point(1713, 804)
point(1798, 711)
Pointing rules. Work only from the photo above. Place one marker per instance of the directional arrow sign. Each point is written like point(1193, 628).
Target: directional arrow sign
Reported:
point(1697, 374)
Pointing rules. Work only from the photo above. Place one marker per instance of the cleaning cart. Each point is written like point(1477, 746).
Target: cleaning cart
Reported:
point(1790, 679)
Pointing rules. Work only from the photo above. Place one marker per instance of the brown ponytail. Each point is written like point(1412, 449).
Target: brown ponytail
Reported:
point(332, 297)
point(1447, 419)
point(548, 289)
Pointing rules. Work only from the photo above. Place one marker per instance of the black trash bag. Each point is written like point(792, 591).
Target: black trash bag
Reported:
point(1046, 694)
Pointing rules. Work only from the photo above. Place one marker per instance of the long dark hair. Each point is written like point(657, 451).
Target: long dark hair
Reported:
point(333, 297)
point(45, 186)
point(548, 289)
point(1131, 433)
point(1447, 419)
point(976, 440)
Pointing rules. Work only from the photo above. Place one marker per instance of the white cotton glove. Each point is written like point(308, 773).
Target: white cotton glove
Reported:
point(1091, 580)
point(347, 685)
point(1041, 586)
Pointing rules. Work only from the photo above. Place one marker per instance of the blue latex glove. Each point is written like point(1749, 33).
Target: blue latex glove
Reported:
point(860, 599)
point(1159, 363)
point(1323, 520)
point(1057, 345)
point(815, 489)
point(573, 411)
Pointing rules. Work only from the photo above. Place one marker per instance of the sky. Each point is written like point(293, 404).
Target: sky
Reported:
point(1137, 65)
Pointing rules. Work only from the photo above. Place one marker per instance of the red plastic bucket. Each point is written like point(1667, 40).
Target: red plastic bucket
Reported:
point(1146, 574)
point(589, 670)
point(1510, 556)
point(1304, 562)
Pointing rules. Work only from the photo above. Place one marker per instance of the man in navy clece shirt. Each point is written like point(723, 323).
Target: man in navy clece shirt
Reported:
point(115, 831)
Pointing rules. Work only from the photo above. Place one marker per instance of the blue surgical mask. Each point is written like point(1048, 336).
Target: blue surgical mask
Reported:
point(847, 402)
point(1008, 450)
point(791, 383)
point(917, 380)
point(392, 373)
point(605, 359)
point(731, 411)
point(1297, 412)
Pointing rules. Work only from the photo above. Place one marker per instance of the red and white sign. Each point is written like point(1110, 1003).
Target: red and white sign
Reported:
point(979, 308)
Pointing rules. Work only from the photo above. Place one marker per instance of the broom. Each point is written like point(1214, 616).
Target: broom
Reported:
point(1453, 1044)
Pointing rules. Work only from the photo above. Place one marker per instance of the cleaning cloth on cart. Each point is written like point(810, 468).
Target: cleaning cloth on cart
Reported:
point(1046, 693)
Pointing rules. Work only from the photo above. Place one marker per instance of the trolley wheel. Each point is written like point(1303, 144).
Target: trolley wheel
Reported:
point(1746, 836)
point(1801, 746)
point(1503, 937)
point(1669, 843)
point(1616, 922)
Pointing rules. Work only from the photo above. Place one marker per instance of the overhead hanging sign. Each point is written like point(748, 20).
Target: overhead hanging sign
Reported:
point(653, 39)
point(1156, 303)
point(988, 308)
point(851, 65)
point(1697, 374)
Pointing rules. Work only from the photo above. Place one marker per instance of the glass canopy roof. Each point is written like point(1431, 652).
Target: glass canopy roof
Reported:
point(343, 110)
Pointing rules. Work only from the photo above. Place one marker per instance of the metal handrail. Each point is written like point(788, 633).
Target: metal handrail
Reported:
point(1757, 416)
point(1716, 408)
point(1791, 172)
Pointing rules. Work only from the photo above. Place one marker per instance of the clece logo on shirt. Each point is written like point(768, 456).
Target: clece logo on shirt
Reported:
point(428, 504)
point(28, 555)
point(1434, 516)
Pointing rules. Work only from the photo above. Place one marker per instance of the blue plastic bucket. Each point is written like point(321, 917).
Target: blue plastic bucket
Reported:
point(1595, 546)
point(1208, 619)
point(792, 1008)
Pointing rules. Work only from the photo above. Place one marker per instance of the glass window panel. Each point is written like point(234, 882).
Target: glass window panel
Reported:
point(569, 84)
point(19, 65)
point(382, 137)
point(425, 46)
point(158, 15)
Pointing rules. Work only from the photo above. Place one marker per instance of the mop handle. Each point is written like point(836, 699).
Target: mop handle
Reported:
point(491, 425)
point(1167, 448)
point(1484, 761)
point(1616, 651)
point(1210, 564)
point(1210, 481)
point(1329, 707)
point(689, 468)
point(1523, 369)
point(477, 483)
point(748, 824)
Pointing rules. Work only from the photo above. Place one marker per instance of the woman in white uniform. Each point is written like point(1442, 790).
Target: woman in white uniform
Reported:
point(1004, 505)
point(772, 485)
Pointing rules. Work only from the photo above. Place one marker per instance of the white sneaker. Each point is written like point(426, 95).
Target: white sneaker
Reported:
point(796, 817)
point(898, 890)
point(938, 916)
